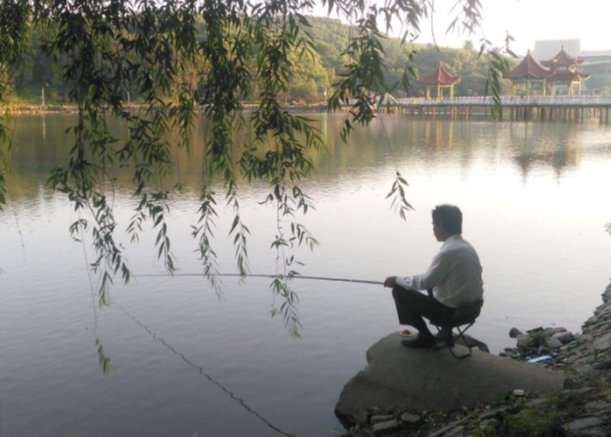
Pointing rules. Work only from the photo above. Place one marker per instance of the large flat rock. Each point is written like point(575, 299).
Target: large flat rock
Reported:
point(400, 378)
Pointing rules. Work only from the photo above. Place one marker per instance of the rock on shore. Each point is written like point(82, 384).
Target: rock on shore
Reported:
point(581, 408)
point(433, 380)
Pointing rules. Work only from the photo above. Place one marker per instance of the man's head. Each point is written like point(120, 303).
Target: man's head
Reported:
point(447, 221)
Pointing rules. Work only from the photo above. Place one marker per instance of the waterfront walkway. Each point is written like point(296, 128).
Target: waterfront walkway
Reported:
point(567, 108)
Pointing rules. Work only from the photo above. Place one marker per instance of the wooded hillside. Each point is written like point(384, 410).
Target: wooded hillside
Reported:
point(312, 79)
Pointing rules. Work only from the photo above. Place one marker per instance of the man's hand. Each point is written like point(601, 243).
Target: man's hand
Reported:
point(390, 282)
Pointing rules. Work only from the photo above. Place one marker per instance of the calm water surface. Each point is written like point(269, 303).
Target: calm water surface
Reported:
point(184, 361)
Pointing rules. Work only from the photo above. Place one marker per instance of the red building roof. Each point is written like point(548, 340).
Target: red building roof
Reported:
point(566, 75)
point(562, 59)
point(528, 68)
point(440, 77)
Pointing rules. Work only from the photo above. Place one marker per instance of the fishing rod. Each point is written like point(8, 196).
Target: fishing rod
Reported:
point(261, 275)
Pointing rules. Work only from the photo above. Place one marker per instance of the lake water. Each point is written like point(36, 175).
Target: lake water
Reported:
point(184, 361)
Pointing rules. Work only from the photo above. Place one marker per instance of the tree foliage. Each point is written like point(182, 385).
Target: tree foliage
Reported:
point(312, 75)
point(175, 54)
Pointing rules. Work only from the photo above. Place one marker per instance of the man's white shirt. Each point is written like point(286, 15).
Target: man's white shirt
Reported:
point(455, 275)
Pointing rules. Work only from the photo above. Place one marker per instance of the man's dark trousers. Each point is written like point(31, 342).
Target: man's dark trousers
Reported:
point(413, 305)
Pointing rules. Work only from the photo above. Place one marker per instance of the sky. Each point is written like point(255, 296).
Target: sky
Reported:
point(530, 20)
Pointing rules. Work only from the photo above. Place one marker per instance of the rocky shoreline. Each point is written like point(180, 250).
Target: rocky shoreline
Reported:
point(581, 408)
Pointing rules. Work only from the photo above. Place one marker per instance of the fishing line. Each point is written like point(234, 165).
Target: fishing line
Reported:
point(200, 370)
point(14, 211)
point(11, 201)
point(261, 275)
point(105, 361)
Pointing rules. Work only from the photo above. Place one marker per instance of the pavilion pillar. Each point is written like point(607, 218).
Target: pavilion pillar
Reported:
point(527, 87)
point(428, 92)
point(439, 92)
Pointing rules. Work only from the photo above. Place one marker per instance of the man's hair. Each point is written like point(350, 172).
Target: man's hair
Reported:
point(449, 218)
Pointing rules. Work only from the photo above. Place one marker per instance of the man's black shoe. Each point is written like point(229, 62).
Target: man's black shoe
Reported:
point(419, 342)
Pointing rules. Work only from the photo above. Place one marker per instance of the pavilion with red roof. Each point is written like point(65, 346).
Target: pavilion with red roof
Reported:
point(529, 72)
point(441, 80)
point(563, 69)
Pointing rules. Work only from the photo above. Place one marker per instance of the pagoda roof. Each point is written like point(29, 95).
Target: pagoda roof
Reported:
point(440, 77)
point(528, 68)
point(562, 59)
point(566, 75)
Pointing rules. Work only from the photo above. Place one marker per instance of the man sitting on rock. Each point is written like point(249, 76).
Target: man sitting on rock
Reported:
point(453, 279)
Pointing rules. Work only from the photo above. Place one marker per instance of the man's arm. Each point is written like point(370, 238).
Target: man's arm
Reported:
point(435, 275)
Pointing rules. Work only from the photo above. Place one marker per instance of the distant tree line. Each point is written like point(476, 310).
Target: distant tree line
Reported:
point(312, 78)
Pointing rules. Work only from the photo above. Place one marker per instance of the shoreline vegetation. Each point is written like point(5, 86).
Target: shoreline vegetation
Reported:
point(27, 108)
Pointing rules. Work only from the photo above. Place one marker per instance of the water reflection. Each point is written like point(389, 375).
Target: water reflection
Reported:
point(536, 145)
point(41, 143)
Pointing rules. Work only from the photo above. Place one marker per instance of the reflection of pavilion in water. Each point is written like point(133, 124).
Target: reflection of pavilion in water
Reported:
point(557, 155)
point(438, 135)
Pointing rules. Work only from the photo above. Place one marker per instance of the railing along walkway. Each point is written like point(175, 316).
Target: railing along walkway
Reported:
point(577, 101)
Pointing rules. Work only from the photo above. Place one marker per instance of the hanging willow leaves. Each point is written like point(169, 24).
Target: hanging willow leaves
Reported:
point(14, 18)
point(398, 196)
point(175, 56)
point(498, 68)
